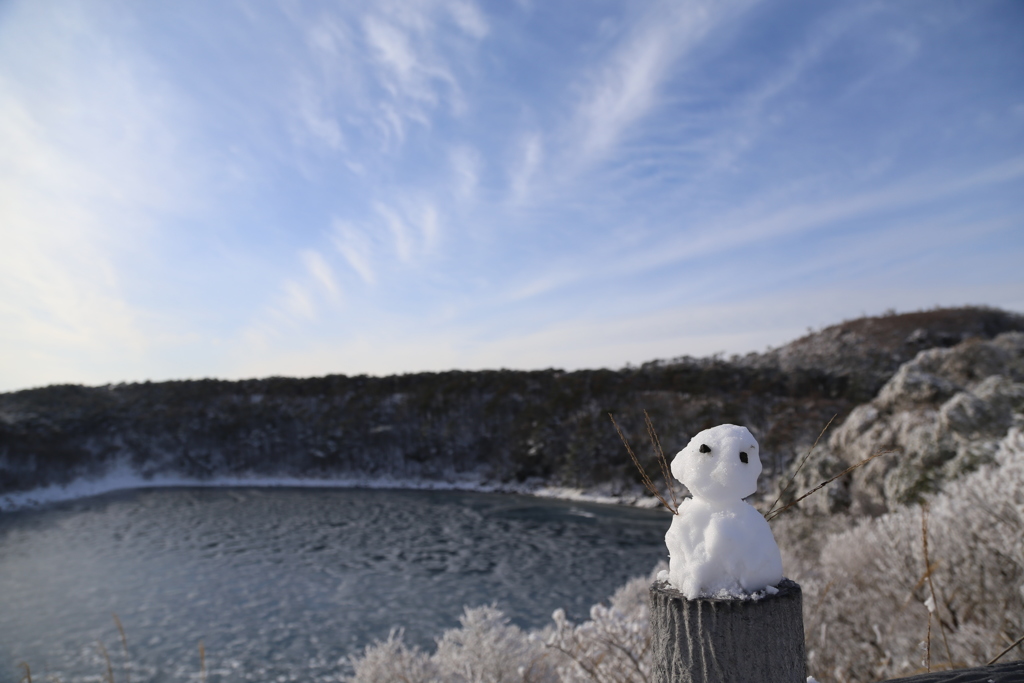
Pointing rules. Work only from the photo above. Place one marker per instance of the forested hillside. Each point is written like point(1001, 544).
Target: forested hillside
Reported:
point(500, 428)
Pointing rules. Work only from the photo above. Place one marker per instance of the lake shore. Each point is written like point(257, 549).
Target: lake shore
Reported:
point(124, 479)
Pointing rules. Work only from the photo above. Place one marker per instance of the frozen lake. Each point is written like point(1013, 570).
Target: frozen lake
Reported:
point(279, 583)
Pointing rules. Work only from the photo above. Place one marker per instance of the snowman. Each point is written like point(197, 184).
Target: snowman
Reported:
point(718, 545)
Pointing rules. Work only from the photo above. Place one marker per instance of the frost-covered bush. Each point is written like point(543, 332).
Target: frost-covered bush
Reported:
point(866, 599)
point(613, 646)
point(487, 649)
point(866, 603)
point(393, 660)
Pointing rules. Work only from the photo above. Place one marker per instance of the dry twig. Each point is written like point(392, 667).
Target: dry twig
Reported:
point(662, 460)
point(799, 467)
point(825, 483)
point(124, 644)
point(643, 473)
point(110, 668)
point(994, 659)
point(931, 589)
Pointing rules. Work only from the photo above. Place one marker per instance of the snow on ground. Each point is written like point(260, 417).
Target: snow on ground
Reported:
point(124, 478)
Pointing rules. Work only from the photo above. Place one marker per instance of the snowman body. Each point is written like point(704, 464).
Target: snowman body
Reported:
point(720, 546)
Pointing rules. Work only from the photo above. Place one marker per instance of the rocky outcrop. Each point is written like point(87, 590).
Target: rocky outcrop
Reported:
point(941, 415)
point(863, 354)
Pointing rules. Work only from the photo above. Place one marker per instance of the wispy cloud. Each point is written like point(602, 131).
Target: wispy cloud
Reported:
point(408, 65)
point(755, 112)
point(414, 228)
point(315, 118)
point(321, 273)
point(326, 81)
point(297, 300)
point(775, 220)
point(392, 50)
point(380, 70)
point(755, 223)
point(401, 235)
point(466, 164)
point(526, 167)
point(300, 298)
point(469, 18)
point(391, 124)
point(430, 226)
point(355, 248)
point(625, 88)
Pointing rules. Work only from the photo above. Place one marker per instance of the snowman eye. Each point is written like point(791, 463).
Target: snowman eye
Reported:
point(743, 457)
point(704, 448)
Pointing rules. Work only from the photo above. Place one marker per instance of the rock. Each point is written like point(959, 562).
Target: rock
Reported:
point(942, 414)
point(911, 385)
point(988, 410)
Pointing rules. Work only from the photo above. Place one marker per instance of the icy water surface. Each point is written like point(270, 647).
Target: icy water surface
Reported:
point(283, 584)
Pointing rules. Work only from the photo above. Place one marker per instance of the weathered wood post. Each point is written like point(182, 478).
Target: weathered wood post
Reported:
point(727, 641)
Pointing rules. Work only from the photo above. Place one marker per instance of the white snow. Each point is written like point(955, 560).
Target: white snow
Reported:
point(123, 477)
point(720, 546)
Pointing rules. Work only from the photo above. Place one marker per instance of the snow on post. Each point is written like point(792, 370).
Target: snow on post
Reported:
point(722, 612)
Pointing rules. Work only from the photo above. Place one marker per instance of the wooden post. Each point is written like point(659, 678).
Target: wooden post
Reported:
point(728, 641)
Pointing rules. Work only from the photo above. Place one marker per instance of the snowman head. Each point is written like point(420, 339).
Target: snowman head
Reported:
point(720, 464)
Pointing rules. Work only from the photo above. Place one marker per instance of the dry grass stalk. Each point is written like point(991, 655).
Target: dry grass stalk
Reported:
point(662, 460)
point(924, 577)
point(928, 636)
point(825, 483)
point(799, 467)
point(124, 644)
point(920, 582)
point(643, 473)
point(928, 646)
point(202, 662)
point(993, 661)
point(931, 589)
point(28, 672)
point(106, 656)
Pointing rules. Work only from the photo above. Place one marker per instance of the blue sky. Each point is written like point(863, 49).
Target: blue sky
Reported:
point(241, 189)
